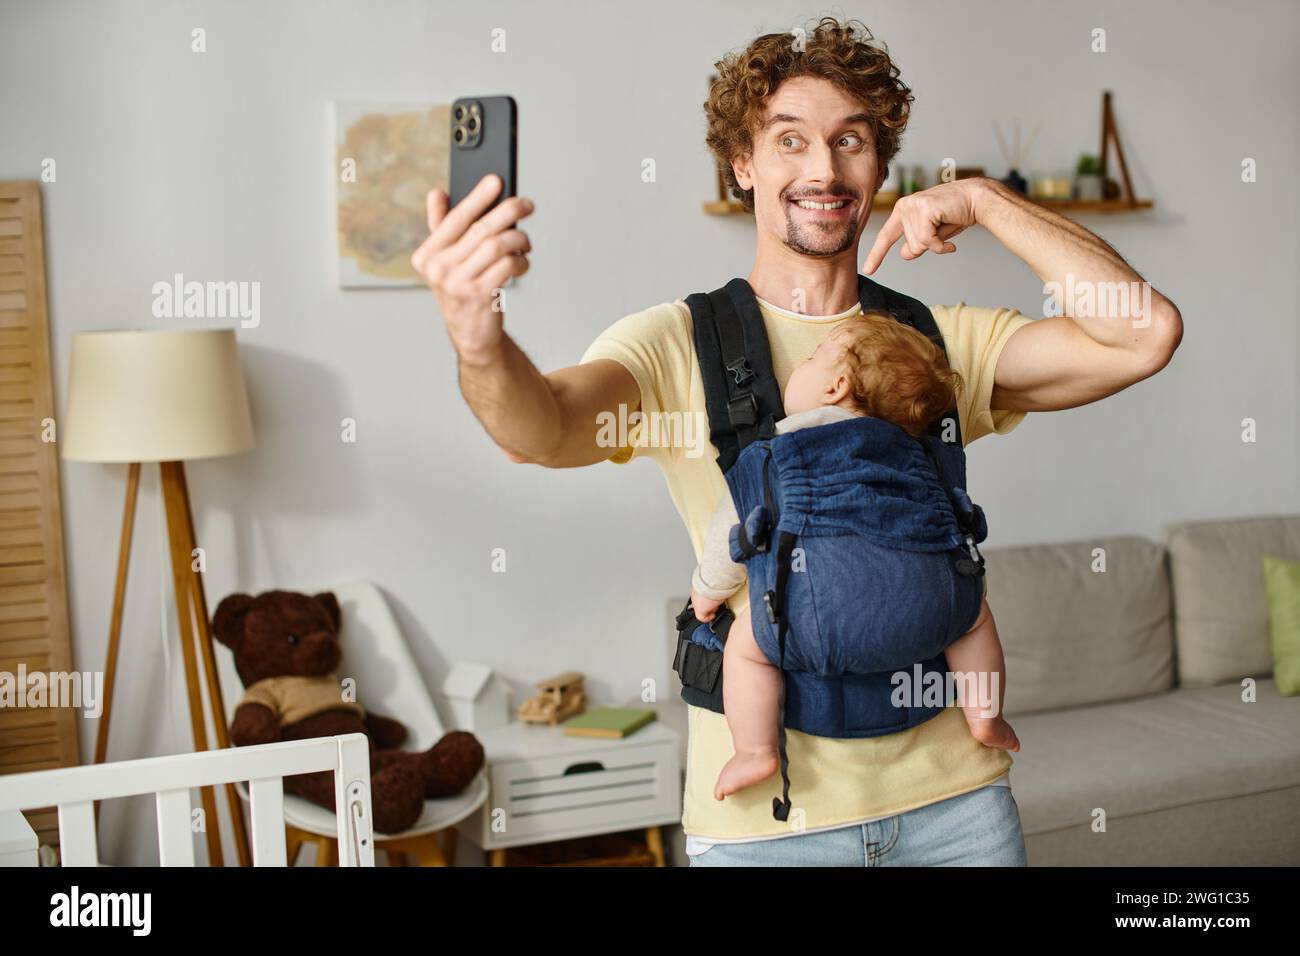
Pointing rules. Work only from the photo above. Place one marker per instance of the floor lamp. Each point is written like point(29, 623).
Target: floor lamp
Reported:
point(169, 397)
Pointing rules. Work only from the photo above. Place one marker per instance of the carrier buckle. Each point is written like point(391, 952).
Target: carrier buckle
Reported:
point(740, 370)
point(771, 611)
point(973, 566)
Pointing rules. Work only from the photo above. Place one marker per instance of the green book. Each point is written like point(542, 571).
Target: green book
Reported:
point(609, 722)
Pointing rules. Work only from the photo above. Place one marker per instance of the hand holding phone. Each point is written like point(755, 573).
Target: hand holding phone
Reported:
point(474, 249)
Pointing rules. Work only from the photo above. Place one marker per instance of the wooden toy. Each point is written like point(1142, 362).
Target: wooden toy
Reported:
point(558, 698)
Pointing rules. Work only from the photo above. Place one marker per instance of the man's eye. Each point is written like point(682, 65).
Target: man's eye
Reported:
point(857, 140)
point(792, 139)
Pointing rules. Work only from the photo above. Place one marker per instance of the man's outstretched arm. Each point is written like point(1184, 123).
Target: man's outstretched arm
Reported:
point(1123, 332)
point(547, 419)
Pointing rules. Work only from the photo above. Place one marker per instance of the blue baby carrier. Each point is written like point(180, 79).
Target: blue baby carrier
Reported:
point(858, 539)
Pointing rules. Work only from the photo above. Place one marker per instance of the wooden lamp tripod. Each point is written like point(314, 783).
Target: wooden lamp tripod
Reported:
point(164, 396)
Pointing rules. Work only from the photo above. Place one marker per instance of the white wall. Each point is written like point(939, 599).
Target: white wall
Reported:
point(217, 166)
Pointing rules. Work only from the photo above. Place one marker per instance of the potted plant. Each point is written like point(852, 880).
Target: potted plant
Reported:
point(1089, 182)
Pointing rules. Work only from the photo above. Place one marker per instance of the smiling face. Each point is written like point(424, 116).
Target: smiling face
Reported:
point(814, 168)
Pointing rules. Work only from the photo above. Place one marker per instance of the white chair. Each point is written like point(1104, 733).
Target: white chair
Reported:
point(376, 656)
point(74, 791)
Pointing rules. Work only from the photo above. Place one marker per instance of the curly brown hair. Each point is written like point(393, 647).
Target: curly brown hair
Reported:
point(898, 374)
point(844, 53)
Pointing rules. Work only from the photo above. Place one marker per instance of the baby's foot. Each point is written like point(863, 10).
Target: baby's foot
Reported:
point(993, 732)
point(744, 770)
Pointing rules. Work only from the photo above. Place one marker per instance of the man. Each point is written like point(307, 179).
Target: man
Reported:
point(807, 159)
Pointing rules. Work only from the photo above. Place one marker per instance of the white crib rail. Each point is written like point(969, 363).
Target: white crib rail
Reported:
point(74, 791)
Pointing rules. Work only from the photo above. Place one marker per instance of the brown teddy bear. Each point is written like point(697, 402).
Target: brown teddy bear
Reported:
point(286, 648)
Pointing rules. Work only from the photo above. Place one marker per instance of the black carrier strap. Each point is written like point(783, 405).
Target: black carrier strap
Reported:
point(741, 394)
point(743, 401)
point(775, 601)
point(699, 667)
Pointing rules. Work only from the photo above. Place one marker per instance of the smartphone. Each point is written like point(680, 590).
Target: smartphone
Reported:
point(484, 139)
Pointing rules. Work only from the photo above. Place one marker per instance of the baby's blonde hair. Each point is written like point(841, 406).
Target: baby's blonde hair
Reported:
point(897, 373)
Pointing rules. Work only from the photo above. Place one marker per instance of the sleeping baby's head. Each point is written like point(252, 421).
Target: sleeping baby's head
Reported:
point(872, 364)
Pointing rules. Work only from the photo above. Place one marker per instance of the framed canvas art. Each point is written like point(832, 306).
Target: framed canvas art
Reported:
point(387, 158)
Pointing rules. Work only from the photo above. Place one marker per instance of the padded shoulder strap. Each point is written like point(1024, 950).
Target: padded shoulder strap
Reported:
point(914, 312)
point(740, 390)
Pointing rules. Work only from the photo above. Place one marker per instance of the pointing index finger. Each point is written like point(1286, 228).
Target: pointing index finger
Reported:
point(885, 239)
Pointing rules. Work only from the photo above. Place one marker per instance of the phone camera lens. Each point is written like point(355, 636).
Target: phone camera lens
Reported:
point(460, 134)
point(472, 124)
point(460, 113)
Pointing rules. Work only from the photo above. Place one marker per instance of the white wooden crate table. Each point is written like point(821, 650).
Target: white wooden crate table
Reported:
point(545, 786)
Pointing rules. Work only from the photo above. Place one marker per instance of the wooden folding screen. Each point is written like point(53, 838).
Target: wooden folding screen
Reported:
point(33, 593)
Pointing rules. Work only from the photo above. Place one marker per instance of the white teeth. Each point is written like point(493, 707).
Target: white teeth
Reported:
point(809, 204)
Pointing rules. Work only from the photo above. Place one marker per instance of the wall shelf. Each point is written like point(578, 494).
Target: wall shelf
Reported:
point(732, 208)
point(1124, 202)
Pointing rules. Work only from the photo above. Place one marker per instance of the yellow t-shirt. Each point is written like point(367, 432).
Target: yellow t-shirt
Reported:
point(834, 781)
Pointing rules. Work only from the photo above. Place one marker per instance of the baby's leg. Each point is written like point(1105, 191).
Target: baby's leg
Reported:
point(979, 652)
point(751, 689)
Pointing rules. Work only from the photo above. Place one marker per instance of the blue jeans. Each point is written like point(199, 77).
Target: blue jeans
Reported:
point(978, 828)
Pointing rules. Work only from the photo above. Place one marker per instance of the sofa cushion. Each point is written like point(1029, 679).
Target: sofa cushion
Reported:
point(1220, 605)
point(1181, 748)
point(1073, 635)
point(1282, 584)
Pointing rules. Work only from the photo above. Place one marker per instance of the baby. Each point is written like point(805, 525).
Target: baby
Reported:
point(870, 365)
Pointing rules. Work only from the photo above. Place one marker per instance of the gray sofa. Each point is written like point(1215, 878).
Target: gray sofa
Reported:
point(1126, 687)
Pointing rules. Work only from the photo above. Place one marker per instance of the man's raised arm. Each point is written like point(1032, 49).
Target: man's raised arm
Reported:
point(1116, 329)
point(548, 419)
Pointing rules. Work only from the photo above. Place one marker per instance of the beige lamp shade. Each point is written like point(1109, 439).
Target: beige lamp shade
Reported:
point(155, 396)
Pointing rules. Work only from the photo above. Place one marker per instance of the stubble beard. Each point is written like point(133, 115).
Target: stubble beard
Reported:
point(804, 239)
